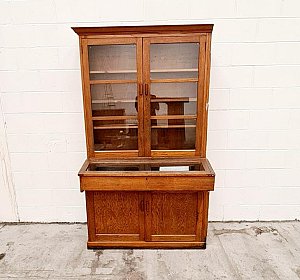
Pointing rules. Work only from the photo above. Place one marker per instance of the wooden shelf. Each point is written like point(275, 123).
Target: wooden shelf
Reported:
point(113, 71)
point(157, 99)
point(99, 82)
point(132, 81)
point(174, 126)
point(177, 80)
point(105, 118)
point(173, 99)
point(179, 70)
point(135, 126)
point(104, 101)
point(173, 117)
point(116, 126)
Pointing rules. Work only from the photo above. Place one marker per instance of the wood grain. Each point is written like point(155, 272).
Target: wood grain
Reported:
point(173, 215)
point(117, 214)
point(142, 183)
point(146, 245)
point(86, 98)
point(134, 30)
point(147, 209)
point(206, 93)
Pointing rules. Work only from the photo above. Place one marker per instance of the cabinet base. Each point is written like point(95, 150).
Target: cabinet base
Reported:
point(145, 245)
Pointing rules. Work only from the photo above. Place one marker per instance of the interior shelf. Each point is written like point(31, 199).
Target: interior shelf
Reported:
point(103, 101)
point(161, 117)
point(175, 80)
point(124, 81)
point(135, 126)
point(156, 99)
point(132, 81)
point(173, 117)
point(116, 126)
point(151, 71)
point(173, 99)
point(174, 126)
point(104, 118)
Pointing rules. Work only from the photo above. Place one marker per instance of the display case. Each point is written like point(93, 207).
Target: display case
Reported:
point(145, 93)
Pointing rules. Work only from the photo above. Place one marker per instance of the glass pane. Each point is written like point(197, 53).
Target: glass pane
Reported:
point(113, 62)
point(116, 138)
point(173, 116)
point(176, 60)
point(114, 114)
point(173, 98)
point(114, 99)
point(173, 134)
point(167, 167)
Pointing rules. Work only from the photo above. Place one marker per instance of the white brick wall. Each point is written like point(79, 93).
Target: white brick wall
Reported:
point(254, 117)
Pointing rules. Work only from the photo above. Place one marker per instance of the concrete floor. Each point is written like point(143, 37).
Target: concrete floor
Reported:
point(234, 251)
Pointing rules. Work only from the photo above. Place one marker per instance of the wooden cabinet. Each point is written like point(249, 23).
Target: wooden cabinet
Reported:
point(145, 94)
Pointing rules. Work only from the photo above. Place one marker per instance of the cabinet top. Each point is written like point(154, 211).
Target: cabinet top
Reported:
point(150, 29)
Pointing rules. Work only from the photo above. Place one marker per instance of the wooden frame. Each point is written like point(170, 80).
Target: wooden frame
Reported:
point(131, 202)
point(143, 85)
point(86, 83)
point(202, 98)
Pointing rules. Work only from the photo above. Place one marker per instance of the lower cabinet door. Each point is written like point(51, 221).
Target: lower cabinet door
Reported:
point(115, 216)
point(172, 216)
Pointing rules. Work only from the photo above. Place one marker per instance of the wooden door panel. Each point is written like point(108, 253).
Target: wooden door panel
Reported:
point(172, 216)
point(118, 216)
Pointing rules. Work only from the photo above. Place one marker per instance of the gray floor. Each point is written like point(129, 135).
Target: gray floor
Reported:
point(234, 251)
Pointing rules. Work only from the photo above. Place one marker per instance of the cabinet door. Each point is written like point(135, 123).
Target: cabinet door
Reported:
point(113, 100)
point(115, 216)
point(172, 216)
point(174, 93)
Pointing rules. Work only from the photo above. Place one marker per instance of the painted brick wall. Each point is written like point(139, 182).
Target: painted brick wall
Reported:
point(254, 116)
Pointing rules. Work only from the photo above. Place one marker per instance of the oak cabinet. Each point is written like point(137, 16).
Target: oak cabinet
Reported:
point(145, 94)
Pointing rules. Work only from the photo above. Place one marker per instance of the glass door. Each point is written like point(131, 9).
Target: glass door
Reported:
point(115, 96)
point(171, 77)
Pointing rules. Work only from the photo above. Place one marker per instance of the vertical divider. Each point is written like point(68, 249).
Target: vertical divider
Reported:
point(206, 94)
point(147, 98)
point(140, 95)
point(86, 90)
point(201, 100)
